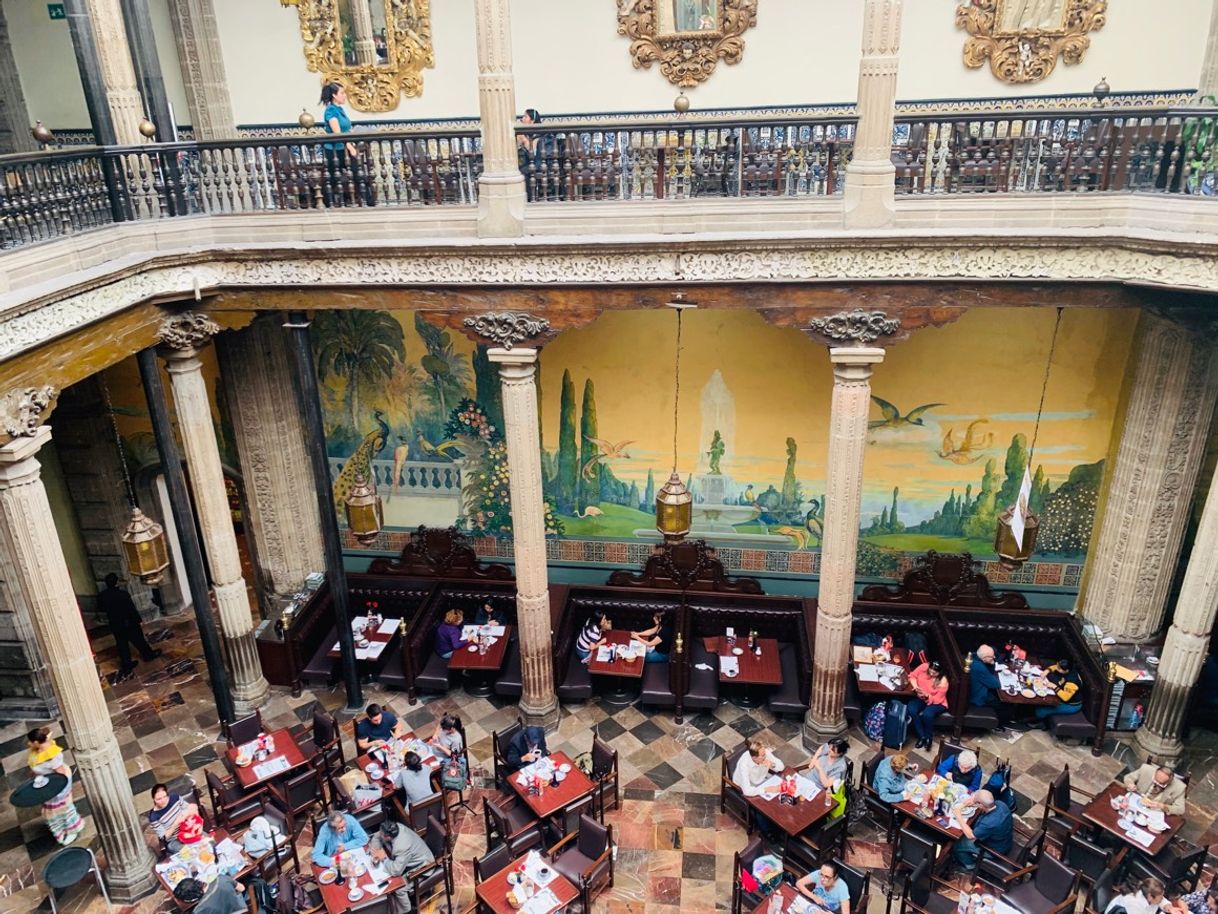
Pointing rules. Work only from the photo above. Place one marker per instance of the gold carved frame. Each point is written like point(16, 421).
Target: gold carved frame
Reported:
point(1028, 54)
point(370, 87)
point(686, 57)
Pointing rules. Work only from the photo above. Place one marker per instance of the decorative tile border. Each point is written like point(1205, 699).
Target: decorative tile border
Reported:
point(736, 560)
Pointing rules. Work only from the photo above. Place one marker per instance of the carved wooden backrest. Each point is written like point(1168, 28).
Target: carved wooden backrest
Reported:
point(435, 552)
point(944, 580)
point(687, 565)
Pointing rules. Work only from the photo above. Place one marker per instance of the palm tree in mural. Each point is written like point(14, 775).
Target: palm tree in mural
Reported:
point(362, 347)
point(448, 372)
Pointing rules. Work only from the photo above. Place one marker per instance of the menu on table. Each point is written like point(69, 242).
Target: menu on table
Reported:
point(271, 767)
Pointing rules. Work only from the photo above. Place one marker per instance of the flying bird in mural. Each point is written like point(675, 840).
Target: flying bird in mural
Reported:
point(894, 419)
point(608, 451)
point(434, 450)
point(971, 447)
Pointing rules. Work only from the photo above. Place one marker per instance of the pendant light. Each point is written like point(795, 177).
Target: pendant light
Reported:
point(674, 503)
point(1018, 527)
point(143, 541)
point(363, 508)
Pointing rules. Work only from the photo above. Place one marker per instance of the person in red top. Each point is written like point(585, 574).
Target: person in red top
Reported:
point(930, 685)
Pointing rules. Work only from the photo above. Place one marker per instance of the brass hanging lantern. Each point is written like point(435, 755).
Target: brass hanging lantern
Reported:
point(363, 507)
point(144, 543)
point(1017, 527)
point(674, 502)
point(144, 548)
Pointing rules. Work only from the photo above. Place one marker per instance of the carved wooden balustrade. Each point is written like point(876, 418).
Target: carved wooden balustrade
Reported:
point(51, 194)
point(788, 158)
point(1121, 150)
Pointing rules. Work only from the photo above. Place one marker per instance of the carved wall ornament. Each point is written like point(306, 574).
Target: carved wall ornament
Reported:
point(1024, 38)
point(375, 49)
point(191, 330)
point(856, 326)
point(686, 37)
point(506, 328)
point(22, 411)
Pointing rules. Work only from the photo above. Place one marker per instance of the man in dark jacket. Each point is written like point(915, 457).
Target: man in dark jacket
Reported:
point(125, 623)
point(526, 747)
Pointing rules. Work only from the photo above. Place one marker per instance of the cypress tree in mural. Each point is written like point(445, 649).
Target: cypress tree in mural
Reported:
point(589, 481)
point(981, 524)
point(1040, 491)
point(1017, 460)
point(568, 453)
point(790, 488)
point(893, 524)
point(649, 493)
point(1070, 511)
point(487, 391)
point(632, 497)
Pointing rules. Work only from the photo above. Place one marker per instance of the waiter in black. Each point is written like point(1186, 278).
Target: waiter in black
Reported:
point(125, 623)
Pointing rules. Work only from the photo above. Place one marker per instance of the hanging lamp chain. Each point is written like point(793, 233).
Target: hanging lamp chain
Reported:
point(118, 441)
point(676, 403)
point(1044, 387)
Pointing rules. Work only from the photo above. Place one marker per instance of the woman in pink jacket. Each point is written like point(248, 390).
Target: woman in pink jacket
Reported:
point(930, 685)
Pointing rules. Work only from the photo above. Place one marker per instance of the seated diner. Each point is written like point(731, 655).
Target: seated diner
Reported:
point(755, 767)
point(889, 780)
point(376, 729)
point(448, 635)
point(829, 764)
point(929, 682)
point(826, 889)
point(526, 747)
point(1066, 683)
point(1158, 787)
point(991, 827)
point(168, 811)
point(657, 639)
point(592, 635)
point(340, 832)
point(961, 768)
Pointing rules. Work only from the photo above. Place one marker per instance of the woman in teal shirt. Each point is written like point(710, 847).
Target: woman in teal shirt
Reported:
point(343, 176)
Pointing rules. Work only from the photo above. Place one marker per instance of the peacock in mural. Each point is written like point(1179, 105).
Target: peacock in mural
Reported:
point(360, 462)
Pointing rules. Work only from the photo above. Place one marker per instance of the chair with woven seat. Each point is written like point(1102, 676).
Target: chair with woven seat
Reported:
point(1063, 813)
point(605, 774)
point(231, 805)
point(500, 739)
point(1178, 866)
point(425, 882)
point(1052, 889)
point(67, 867)
point(920, 895)
point(731, 798)
point(511, 823)
point(585, 857)
point(808, 850)
point(743, 899)
point(245, 729)
point(1020, 861)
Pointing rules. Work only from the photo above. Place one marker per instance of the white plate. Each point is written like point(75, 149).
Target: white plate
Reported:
point(737, 651)
point(355, 894)
point(1153, 661)
point(564, 767)
point(473, 648)
point(327, 877)
point(732, 675)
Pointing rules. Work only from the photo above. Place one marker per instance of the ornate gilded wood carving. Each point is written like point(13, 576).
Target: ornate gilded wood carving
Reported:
point(1024, 38)
point(376, 49)
point(686, 37)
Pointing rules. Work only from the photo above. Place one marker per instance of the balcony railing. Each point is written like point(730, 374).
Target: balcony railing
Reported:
point(52, 194)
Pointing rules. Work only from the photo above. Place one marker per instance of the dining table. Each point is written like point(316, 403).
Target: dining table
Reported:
point(493, 890)
point(335, 895)
point(190, 859)
point(378, 638)
point(620, 668)
point(1019, 695)
point(752, 669)
point(1101, 813)
point(575, 786)
point(793, 818)
point(403, 744)
point(871, 679)
point(479, 662)
point(286, 758)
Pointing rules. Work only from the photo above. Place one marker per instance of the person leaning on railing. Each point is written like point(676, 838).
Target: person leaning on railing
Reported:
point(342, 159)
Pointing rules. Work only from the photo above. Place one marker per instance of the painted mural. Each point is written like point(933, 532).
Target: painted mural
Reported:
point(950, 432)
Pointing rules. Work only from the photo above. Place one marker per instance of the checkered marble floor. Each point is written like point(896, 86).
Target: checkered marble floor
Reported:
point(674, 846)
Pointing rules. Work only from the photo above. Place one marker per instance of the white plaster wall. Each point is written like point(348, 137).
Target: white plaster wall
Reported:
point(46, 63)
point(1145, 45)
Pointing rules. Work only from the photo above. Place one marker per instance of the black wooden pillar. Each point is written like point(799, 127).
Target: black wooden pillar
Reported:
point(309, 403)
point(88, 62)
point(140, 39)
point(188, 537)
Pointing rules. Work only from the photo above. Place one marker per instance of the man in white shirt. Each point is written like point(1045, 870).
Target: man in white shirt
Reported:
point(755, 767)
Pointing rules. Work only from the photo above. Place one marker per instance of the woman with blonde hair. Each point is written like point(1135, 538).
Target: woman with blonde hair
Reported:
point(45, 757)
point(448, 634)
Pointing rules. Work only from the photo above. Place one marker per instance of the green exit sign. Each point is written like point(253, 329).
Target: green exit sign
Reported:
point(55, 11)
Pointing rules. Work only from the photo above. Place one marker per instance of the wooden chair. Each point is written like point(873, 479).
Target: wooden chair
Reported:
point(299, 795)
point(1091, 860)
point(563, 822)
point(1063, 813)
point(499, 746)
point(731, 798)
point(742, 862)
point(491, 862)
point(231, 804)
point(315, 903)
point(859, 884)
point(1005, 869)
point(511, 823)
point(425, 881)
point(605, 774)
point(585, 857)
point(1178, 866)
point(808, 850)
point(461, 801)
point(919, 893)
point(1101, 894)
point(245, 729)
point(369, 818)
point(328, 738)
point(1052, 889)
point(416, 814)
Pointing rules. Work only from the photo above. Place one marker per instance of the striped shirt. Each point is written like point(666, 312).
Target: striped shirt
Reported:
point(165, 821)
point(588, 636)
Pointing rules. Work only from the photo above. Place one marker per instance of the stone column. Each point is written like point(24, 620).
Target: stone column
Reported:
point(870, 176)
point(198, 41)
point(517, 376)
point(1187, 643)
point(106, 71)
point(256, 367)
point(28, 535)
point(15, 120)
point(501, 185)
point(26, 692)
point(1172, 389)
point(182, 337)
point(852, 366)
point(361, 28)
point(1207, 84)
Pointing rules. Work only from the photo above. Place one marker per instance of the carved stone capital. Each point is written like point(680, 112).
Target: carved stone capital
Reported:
point(507, 328)
point(22, 411)
point(857, 326)
point(191, 330)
